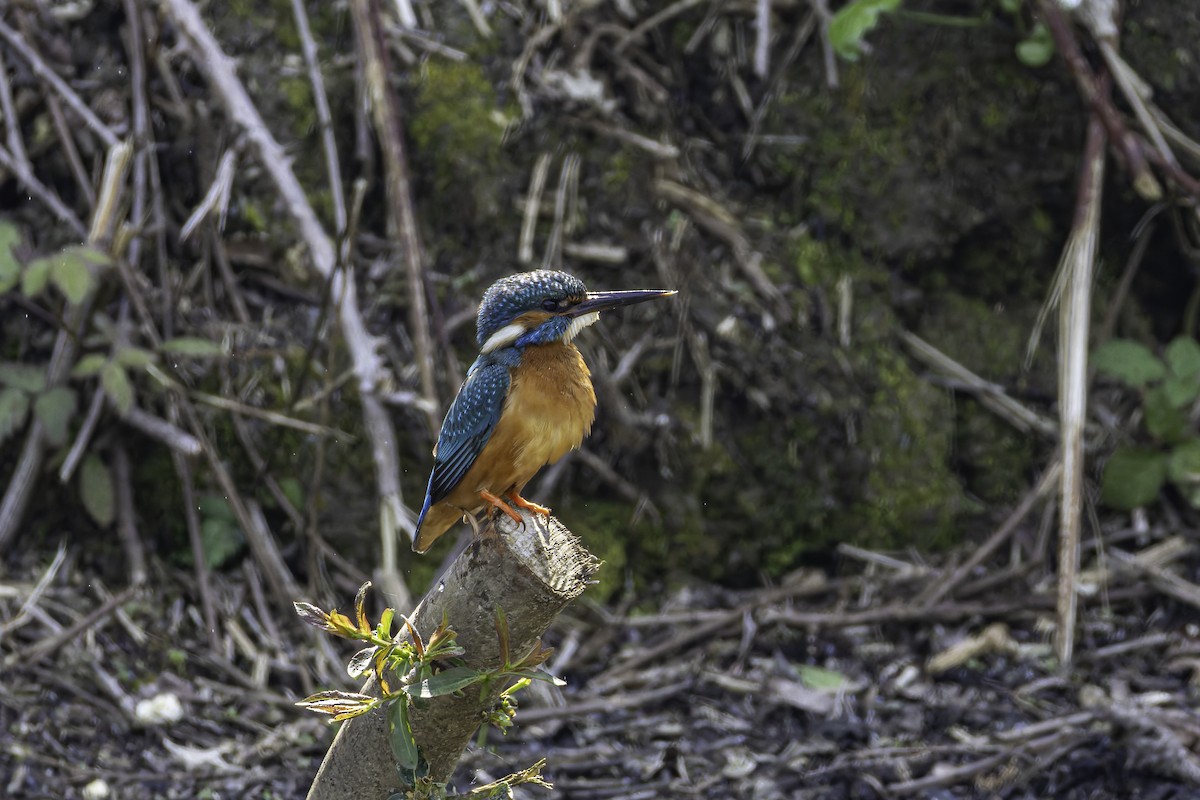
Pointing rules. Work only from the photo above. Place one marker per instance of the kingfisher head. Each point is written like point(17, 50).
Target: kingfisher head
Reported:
point(545, 306)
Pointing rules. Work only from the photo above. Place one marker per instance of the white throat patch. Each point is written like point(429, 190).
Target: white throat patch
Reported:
point(515, 330)
point(578, 324)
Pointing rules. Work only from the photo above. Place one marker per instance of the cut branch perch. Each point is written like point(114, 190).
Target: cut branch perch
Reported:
point(530, 572)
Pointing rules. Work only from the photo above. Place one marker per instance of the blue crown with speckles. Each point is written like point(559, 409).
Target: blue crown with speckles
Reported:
point(510, 297)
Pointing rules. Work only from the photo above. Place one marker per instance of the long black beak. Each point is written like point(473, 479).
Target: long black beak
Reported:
point(602, 301)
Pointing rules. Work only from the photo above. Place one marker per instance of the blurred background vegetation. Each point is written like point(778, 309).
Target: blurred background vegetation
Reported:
point(819, 212)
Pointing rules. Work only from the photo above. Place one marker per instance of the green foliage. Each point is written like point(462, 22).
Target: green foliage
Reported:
point(1129, 362)
point(26, 377)
point(25, 386)
point(413, 670)
point(73, 271)
point(96, 491)
point(853, 22)
point(193, 347)
point(1169, 386)
point(220, 535)
point(117, 386)
point(10, 268)
point(54, 410)
point(1133, 477)
point(14, 406)
point(1036, 49)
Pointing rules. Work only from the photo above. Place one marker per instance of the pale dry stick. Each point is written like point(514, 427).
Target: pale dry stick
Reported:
point(12, 123)
point(404, 11)
point(308, 47)
point(720, 222)
point(653, 147)
point(62, 357)
point(65, 136)
point(942, 587)
point(43, 71)
point(480, 21)
point(273, 417)
point(533, 207)
point(219, 70)
point(821, 9)
point(762, 38)
point(191, 518)
point(990, 395)
point(215, 200)
point(39, 588)
point(33, 654)
point(652, 22)
point(385, 108)
point(568, 176)
point(954, 775)
point(800, 37)
point(127, 531)
point(83, 436)
point(597, 252)
point(1142, 236)
point(1165, 581)
point(158, 428)
point(1078, 261)
point(42, 192)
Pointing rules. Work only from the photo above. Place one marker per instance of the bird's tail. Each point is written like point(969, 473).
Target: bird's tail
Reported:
point(433, 522)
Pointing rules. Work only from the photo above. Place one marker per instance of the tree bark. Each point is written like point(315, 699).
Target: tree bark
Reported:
point(530, 572)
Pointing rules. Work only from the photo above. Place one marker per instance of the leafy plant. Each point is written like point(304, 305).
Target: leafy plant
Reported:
point(853, 21)
point(23, 388)
point(1169, 387)
point(411, 671)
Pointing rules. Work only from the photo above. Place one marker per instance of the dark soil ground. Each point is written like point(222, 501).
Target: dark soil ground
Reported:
point(861, 684)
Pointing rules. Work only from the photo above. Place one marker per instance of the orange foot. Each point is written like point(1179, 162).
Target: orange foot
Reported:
point(517, 500)
point(498, 504)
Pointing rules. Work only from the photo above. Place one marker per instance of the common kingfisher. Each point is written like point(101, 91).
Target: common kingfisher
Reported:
point(526, 401)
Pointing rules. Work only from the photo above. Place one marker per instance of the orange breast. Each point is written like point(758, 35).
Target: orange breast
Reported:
point(549, 409)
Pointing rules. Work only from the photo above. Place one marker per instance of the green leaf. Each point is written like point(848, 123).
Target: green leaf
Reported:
point(89, 365)
point(1165, 421)
point(71, 275)
point(193, 347)
point(1133, 477)
point(35, 277)
point(222, 539)
point(96, 491)
point(88, 255)
point(55, 409)
point(825, 680)
point(117, 387)
point(10, 268)
point(26, 377)
point(1036, 49)
point(1183, 468)
point(854, 21)
point(135, 357)
point(1181, 392)
point(1183, 357)
point(14, 405)
point(360, 662)
point(448, 681)
point(1129, 362)
point(404, 746)
point(214, 505)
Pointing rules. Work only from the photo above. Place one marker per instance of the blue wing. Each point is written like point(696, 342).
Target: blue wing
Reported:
point(468, 426)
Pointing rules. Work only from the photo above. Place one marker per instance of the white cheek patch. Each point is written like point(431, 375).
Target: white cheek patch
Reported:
point(503, 337)
point(578, 324)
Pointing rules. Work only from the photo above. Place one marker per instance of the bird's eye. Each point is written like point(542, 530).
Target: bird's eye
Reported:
point(551, 305)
